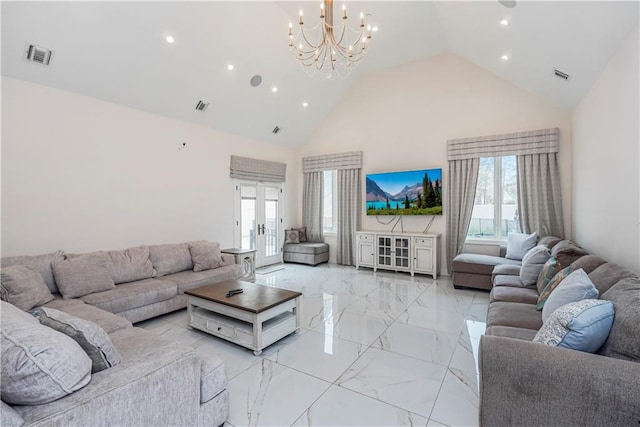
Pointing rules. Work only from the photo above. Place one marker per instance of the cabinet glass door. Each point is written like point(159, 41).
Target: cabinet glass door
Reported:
point(384, 251)
point(401, 247)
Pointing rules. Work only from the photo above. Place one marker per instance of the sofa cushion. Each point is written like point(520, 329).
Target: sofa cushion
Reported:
point(170, 258)
point(302, 234)
point(506, 270)
point(514, 314)
point(518, 244)
point(83, 275)
point(188, 280)
point(580, 325)
point(509, 281)
point(129, 265)
point(39, 365)
point(566, 252)
point(291, 236)
point(549, 241)
point(42, 263)
point(213, 377)
point(23, 287)
point(479, 264)
point(205, 255)
point(608, 274)
point(106, 320)
point(307, 248)
point(513, 294)
point(132, 295)
point(588, 263)
point(532, 264)
point(575, 287)
point(91, 337)
point(624, 338)
point(553, 283)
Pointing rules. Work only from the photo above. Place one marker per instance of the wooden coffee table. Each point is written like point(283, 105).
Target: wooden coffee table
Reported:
point(256, 318)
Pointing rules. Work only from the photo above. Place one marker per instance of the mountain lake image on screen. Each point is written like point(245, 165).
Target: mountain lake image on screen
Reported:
point(416, 192)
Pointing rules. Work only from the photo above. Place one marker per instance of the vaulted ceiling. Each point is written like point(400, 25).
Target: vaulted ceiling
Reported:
point(117, 51)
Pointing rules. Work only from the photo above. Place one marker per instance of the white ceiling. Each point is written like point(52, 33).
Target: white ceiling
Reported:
point(116, 51)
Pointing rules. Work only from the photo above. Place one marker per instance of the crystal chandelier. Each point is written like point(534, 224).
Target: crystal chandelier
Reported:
point(329, 51)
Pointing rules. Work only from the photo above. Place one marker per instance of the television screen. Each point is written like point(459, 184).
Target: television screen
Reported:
point(405, 193)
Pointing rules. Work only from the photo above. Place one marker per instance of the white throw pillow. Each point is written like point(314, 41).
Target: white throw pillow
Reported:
point(519, 244)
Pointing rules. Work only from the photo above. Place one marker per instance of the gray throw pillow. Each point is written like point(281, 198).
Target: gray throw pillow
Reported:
point(291, 236)
point(532, 264)
point(575, 287)
point(519, 244)
point(42, 264)
point(302, 234)
point(130, 264)
point(39, 365)
point(170, 258)
point(84, 275)
point(23, 287)
point(624, 339)
point(91, 337)
point(205, 255)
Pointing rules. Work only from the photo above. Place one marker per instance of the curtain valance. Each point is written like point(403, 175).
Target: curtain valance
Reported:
point(520, 143)
point(339, 161)
point(257, 170)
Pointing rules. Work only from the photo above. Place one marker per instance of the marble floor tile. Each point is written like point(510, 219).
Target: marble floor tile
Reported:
point(434, 423)
point(399, 380)
point(323, 356)
point(178, 318)
point(424, 344)
point(353, 327)
point(172, 332)
point(342, 407)
point(457, 403)
point(317, 309)
point(444, 320)
point(268, 394)
point(465, 356)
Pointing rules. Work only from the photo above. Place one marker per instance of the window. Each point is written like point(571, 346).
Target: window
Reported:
point(329, 215)
point(495, 208)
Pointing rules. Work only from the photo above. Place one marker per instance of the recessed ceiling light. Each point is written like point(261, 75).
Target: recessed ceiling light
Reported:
point(374, 29)
point(274, 89)
point(169, 39)
point(505, 57)
point(305, 104)
point(230, 67)
point(504, 22)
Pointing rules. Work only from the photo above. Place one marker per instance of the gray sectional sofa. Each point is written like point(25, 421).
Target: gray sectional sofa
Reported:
point(157, 382)
point(527, 383)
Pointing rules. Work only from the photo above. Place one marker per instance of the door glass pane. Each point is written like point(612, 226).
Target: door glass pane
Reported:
point(271, 193)
point(271, 227)
point(248, 223)
point(248, 191)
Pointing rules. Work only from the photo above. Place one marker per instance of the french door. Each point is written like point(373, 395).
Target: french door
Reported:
point(258, 220)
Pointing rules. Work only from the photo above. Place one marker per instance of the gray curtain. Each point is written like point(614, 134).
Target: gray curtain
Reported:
point(463, 177)
point(312, 205)
point(349, 209)
point(539, 195)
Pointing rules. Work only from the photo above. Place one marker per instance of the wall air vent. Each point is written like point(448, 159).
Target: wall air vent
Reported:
point(560, 74)
point(201, 105)
point(276, 130)
point(39, 55)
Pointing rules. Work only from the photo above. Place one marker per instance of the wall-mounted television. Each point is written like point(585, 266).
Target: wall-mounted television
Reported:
point(417, 192)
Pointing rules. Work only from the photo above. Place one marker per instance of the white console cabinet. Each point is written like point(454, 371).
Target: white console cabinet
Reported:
point(410, 252)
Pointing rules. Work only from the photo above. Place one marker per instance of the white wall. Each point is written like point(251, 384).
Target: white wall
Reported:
point(402, 118)
point(80, 174)
point(606, 161)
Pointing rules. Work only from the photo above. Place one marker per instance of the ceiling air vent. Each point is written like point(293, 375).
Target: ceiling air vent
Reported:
point(39, 55)
point(560, 74)
point(275, 130)
point(201, 105)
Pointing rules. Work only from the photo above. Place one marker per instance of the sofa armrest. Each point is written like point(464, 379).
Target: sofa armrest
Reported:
point(526, 383)
point(162, 389)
